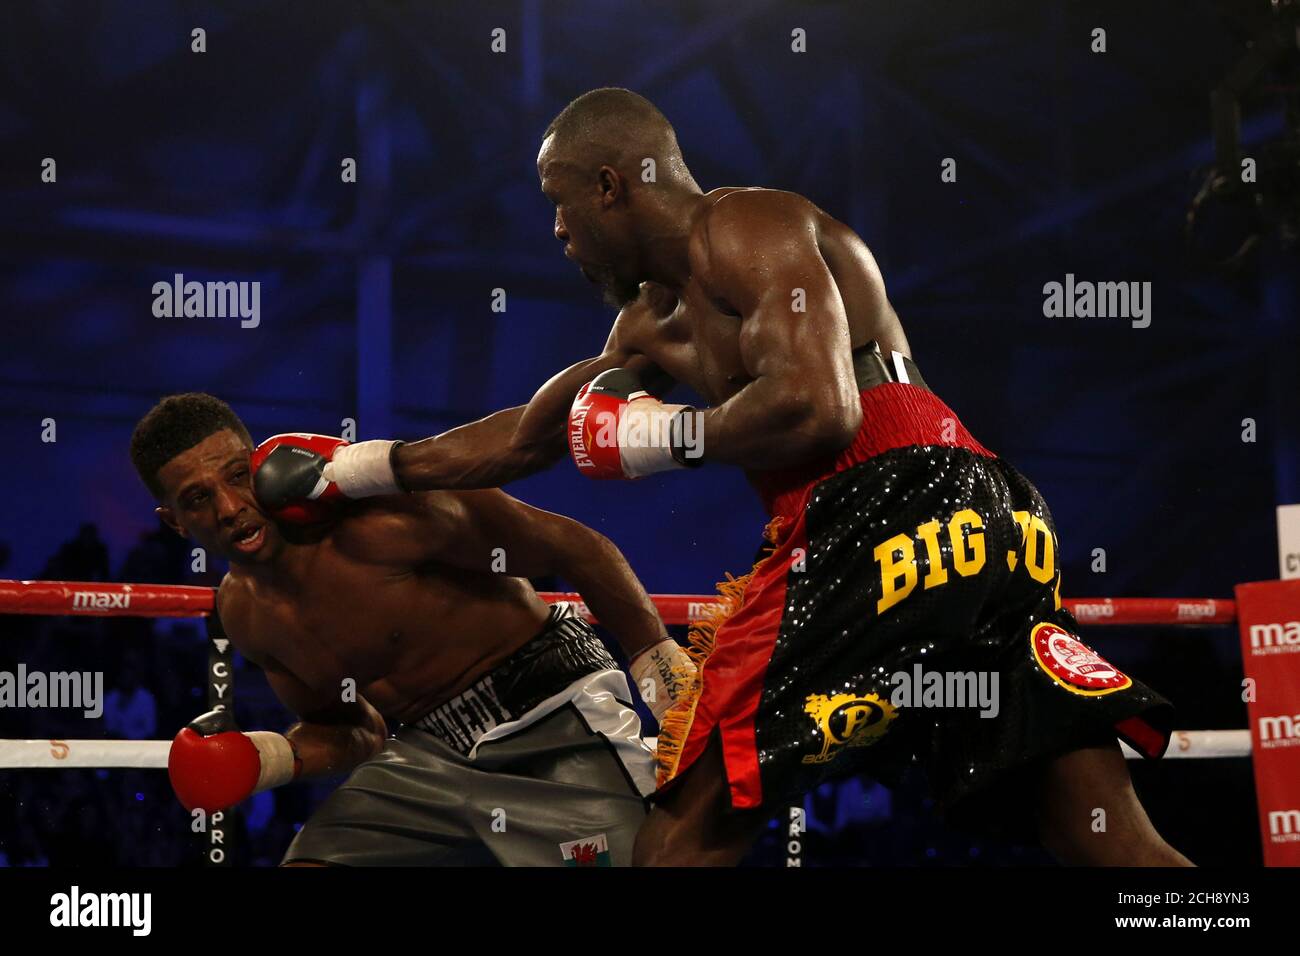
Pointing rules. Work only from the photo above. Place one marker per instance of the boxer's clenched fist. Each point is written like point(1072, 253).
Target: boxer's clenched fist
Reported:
point(619, 430)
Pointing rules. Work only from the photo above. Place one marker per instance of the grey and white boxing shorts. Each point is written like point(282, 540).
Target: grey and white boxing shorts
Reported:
point(539, 763)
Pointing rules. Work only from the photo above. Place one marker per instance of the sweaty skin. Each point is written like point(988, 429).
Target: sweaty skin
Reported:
point(398, 595)
point(780, 381)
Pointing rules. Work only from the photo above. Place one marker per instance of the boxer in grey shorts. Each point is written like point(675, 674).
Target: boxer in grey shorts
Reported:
point(510, 771)
point(515, 738)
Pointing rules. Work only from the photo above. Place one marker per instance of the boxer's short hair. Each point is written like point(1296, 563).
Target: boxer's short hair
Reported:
point(176, 424)
point(607, 106)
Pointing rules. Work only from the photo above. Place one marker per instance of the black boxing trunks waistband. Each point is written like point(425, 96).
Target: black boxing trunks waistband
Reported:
point(564, 650)
point(871, 367)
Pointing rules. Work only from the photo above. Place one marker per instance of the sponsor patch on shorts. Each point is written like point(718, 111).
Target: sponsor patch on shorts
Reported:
point(847, 720)
point(588, 851)
point(1073, 664)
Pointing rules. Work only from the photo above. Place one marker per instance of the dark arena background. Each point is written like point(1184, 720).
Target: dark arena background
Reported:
point(982, 151)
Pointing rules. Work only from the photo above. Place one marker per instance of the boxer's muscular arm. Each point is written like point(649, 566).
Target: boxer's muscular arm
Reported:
point(802, 401)
point(521, 441)
point(466, 529)
point(333, 736)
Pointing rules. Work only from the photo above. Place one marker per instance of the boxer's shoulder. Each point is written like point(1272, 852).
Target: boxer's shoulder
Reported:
point(233, 597)
point(370, 521)
point(734, 224)
point(637, 325)
point(655, 299)
point(236, 606)
point(399, 529)
point(730, 214)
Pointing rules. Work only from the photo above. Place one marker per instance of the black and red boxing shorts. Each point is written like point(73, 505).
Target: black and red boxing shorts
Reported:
point(915, 552)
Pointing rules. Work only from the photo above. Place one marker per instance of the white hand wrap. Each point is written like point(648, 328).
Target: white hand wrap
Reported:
point(363, 470)
point(663, 673)
point(276, 756)
point(645, 437)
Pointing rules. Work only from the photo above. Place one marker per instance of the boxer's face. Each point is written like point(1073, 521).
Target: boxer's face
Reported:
point(592, 220)
point(208, 496)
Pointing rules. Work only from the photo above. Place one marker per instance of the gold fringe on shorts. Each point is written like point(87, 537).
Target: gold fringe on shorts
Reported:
point(675, 725)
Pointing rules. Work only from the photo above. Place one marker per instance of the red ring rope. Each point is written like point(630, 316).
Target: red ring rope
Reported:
point(182, 600)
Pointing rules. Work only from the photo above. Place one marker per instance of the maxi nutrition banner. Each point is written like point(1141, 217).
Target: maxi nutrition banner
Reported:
point(1268, 614)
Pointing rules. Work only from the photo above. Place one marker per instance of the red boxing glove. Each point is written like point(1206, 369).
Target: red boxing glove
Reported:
point(288, 477)
point(212, 768)
point(619, 430)
point(300, 478)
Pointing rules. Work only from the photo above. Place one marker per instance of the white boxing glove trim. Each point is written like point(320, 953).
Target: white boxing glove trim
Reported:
point(363, 470)
point(276, 757)
point(645, 437)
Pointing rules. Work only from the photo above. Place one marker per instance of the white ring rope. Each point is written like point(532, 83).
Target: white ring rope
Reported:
point(57, 754)
point(1207, 744)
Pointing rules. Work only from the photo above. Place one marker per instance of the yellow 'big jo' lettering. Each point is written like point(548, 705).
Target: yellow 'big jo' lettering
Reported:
point(966, 527)
point(897, 557)
point(1040, 548)
point(900, 573)
point(897, 560)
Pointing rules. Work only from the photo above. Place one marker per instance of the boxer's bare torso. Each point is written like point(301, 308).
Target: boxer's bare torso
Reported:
point(695, 337)
point(409, 634)
point(770, 297)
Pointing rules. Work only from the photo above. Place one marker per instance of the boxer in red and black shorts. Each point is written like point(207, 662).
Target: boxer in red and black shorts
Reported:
point(913, 547)
point(899, 547)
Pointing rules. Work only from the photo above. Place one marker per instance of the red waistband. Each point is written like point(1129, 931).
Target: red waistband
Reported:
point(894, 415)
